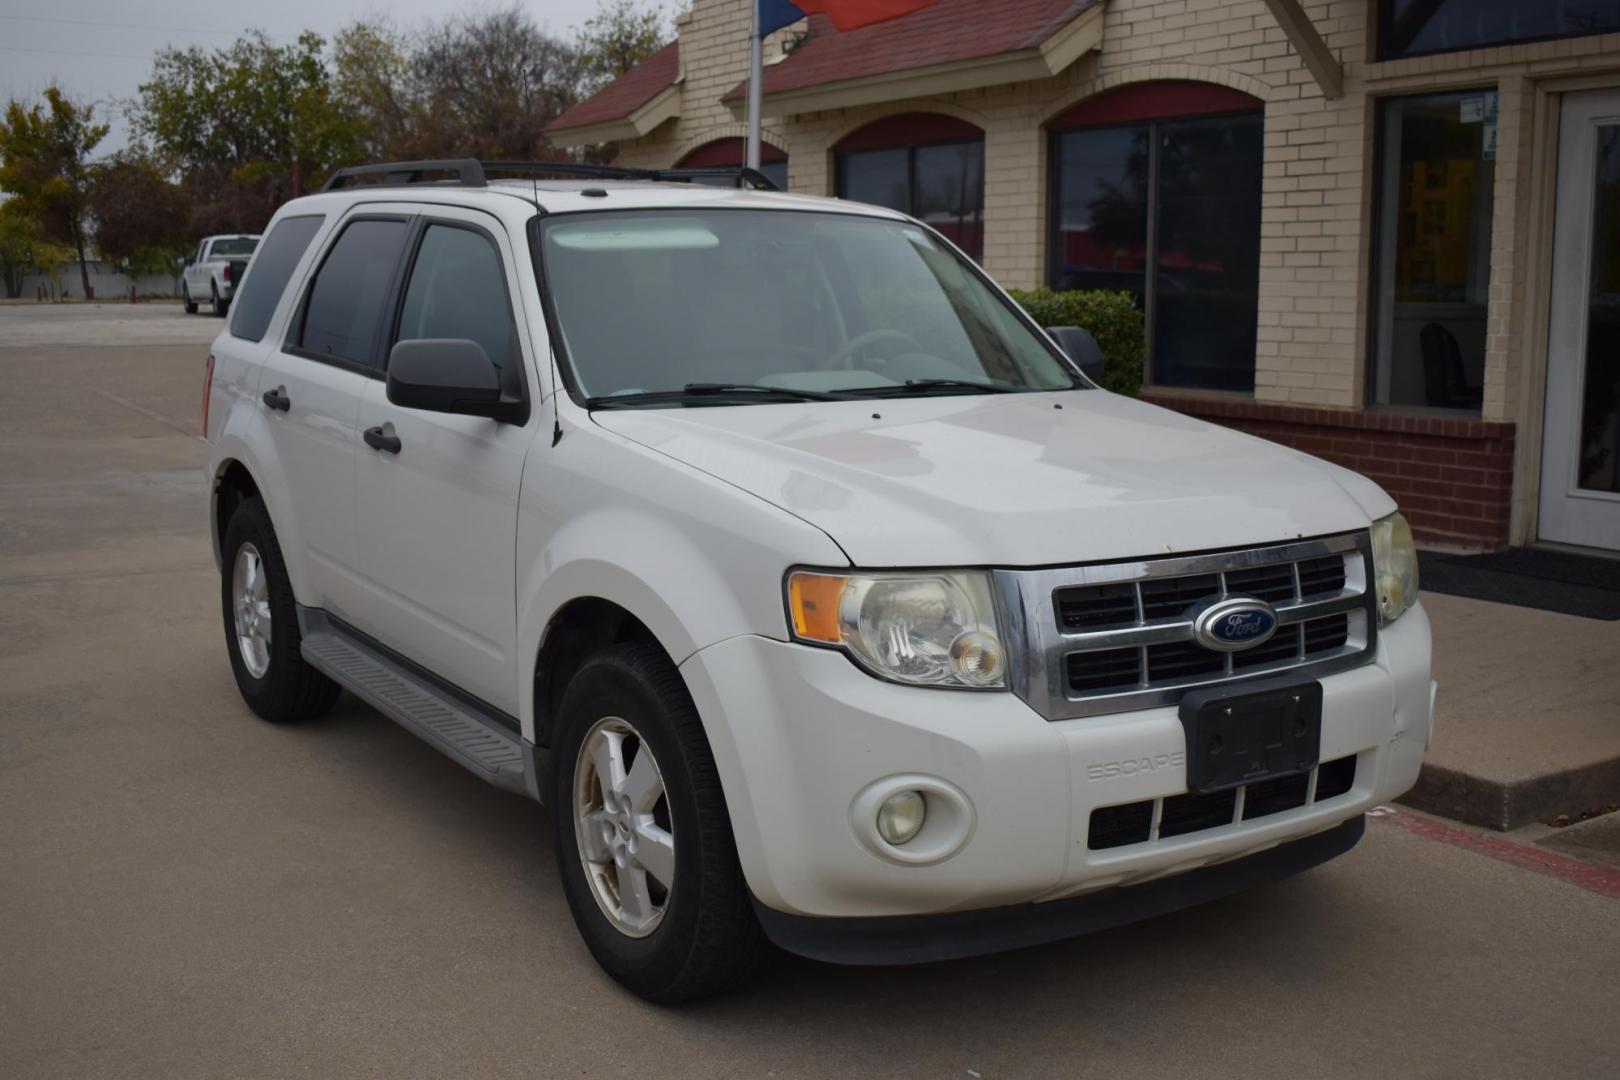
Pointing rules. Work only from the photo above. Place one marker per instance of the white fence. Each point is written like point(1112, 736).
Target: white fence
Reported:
point(105, 279)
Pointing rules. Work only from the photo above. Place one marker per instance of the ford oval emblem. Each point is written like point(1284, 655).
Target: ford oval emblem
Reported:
point(1235, 624)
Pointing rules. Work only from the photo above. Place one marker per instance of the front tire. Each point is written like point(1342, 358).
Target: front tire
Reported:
point(261, 623)
point(185, 298)
point(643, 838)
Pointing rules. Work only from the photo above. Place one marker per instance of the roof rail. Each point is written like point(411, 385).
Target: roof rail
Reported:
point(471, 173)
point(740, 174)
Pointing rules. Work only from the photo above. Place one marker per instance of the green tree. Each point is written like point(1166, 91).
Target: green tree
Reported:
point(141, 218)
point(619, 36)
point(246, 126)
point(23, 244)
point(44, 165)
point(371, 71)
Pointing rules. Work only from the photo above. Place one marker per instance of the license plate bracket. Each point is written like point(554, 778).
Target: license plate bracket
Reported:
point(1238, 736)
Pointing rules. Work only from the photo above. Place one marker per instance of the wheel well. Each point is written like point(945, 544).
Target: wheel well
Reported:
point(234, 486)
point(580, 628)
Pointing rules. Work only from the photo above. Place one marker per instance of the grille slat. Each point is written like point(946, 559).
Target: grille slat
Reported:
point(1182, 660)
point(1284, 645)
point(1096, 607)
point(1326, 635)
point(1109, 669)
point(1323, 575)
point(1273, 584)
point(1164, 598)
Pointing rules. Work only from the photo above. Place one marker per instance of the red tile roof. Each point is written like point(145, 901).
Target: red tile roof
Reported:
point(624, 95)
point(942, 33)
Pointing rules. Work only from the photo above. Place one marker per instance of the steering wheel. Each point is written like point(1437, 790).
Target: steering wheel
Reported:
point(843, 358)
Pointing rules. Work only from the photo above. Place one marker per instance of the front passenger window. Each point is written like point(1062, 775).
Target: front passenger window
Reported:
point(458, 290)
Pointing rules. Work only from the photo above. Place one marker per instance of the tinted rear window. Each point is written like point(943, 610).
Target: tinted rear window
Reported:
point(344, 309)
point(235, 247)
point(272, 267)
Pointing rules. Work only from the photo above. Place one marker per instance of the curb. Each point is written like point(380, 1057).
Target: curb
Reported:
point(1507, 804)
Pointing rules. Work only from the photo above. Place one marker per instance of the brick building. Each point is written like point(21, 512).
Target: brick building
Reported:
point(1384, 231)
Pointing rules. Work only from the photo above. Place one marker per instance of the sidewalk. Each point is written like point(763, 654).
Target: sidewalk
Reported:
point(1527, 723)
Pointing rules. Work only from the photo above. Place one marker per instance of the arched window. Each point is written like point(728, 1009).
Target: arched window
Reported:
point(732, 152)
point(924, 164)
point(1156, 189)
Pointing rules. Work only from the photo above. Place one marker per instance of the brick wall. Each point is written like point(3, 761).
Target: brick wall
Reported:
point(1451, 477)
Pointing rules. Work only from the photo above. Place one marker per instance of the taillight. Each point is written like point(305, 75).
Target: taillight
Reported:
point(227, 273)
point(208, 391)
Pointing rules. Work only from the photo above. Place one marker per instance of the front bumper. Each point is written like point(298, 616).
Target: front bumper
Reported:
point(917, 939)
point(802, 737)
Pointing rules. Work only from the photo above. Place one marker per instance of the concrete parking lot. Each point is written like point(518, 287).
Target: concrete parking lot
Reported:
point(187, 891)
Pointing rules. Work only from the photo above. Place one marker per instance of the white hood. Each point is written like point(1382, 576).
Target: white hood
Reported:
point(1010, 479)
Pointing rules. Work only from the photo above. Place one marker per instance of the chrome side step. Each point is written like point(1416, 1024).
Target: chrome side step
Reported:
point(458, 729)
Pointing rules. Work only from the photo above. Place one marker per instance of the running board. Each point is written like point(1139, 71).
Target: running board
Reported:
point(458, 729)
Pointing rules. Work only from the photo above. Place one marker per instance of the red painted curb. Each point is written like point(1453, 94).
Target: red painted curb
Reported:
point(1598, 879)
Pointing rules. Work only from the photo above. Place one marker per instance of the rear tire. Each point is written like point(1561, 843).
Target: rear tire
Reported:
point(219, 306)
point(185, 298)
point(261, 623)
point(703, 938)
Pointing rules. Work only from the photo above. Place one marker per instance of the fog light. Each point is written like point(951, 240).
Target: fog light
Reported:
point(900, 818)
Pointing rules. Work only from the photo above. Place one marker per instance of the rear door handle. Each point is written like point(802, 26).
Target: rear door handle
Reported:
point(382, 438)
point(277, 399)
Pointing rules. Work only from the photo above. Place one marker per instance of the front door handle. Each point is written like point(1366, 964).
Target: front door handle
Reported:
point(382, 438)
point(277, 399)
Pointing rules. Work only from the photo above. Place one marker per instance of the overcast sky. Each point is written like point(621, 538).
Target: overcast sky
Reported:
point(101, 50)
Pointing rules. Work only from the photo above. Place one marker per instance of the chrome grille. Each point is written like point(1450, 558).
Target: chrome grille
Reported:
point(1119, 636)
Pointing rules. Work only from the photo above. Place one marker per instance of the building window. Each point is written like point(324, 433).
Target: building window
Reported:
point(922, 164)
point(1432, 249)
point(1418, 27)
point(1156, 190)
point(731, 153)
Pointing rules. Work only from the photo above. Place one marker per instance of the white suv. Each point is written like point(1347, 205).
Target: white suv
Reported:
point(814, 587)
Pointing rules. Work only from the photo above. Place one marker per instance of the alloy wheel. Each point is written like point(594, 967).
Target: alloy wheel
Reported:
point(622, 823)
point(250, 608)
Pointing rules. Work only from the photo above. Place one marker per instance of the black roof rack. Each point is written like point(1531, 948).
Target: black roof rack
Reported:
point(466, 172)
point(469, 173)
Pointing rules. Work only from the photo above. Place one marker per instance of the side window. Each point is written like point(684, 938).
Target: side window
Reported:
point(272, 269)
point(458, 290)
point(343, 311)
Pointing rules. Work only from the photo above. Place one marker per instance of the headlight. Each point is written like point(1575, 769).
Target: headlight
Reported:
point(1395, 564)
point(929, 629)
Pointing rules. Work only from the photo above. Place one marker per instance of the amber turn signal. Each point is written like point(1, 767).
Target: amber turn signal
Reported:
point(813, 599)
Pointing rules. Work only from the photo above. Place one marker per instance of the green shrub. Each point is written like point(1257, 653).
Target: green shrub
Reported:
point(1112, 318)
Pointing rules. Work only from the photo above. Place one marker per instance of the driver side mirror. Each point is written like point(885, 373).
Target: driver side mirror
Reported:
point(1078, 345)
point(450, 375)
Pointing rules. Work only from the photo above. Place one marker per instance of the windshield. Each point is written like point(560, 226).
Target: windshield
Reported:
point(812, 305)
point(238, 245)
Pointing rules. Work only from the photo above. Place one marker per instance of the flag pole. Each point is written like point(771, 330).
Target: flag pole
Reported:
point(756, 96)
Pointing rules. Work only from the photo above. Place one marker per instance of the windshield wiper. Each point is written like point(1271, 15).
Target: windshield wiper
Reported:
point(912, 386)
point(701, 391)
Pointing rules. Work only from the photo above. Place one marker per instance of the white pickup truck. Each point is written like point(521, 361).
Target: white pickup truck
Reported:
point(819, 593)
point(214, 271)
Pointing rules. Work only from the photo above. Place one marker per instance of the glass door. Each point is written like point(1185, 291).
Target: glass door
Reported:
point(1580, 464)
